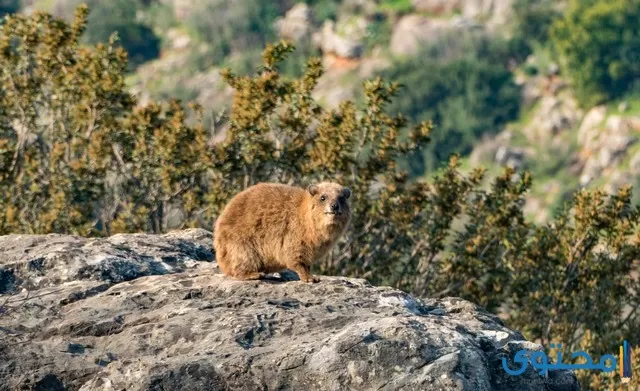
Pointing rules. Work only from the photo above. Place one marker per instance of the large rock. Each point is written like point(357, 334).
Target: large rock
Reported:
point(495, 12)
point(557, 113)
point(297, 23)
point(143, 312)
point(413, 32)
point(602, 148)
point(170, 75)
point(437, 6)
point(34, 262)
point(589, 127)
point(344, 38)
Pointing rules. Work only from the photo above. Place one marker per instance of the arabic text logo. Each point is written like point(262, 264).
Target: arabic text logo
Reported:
point(540, 361)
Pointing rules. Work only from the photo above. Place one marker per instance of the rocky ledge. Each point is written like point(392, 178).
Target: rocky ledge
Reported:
point(145, 312)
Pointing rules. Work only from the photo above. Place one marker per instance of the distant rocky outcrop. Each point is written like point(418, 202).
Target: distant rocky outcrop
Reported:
point(495, 12)
point(344, 38)
point(557, 111)
point(296, 25)
point(145, 312)
point(414, 32)
point(604, 142)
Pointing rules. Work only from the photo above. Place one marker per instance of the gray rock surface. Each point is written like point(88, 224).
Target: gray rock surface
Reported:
point(296, 24)
point(344, 38)
point(436, 7)
point(497, 12)
point(558, 113)
point(414, 31)
point(604, 147)
point(144, 312)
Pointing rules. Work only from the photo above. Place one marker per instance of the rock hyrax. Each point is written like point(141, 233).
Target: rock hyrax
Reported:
point(269, 227)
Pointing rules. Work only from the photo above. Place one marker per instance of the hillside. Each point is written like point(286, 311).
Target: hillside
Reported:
point(402, 101)
point(564, 146)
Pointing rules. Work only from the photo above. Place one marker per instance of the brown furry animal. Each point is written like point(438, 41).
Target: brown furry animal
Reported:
point(269, 227)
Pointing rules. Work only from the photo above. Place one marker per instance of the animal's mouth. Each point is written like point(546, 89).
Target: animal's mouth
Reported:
point(333, 213)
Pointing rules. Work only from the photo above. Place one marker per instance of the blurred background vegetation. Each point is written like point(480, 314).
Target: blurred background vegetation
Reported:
point(146, 130)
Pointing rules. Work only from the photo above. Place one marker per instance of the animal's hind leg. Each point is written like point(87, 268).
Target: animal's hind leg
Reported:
point(247, 263)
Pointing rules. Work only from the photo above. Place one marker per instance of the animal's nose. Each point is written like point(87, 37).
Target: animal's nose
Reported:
point(335, 207)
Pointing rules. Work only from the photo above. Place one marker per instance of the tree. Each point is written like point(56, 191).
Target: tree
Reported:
point(599, 45)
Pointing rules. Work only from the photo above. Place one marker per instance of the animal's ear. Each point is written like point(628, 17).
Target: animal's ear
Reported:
point(312, 189)
point(346, 192)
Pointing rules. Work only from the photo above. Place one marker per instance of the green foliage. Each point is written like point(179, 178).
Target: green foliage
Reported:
point(78, 156)
point(161, 16)
point(397, 6)
point(379, 32)
point(232, 27)
point(58, 103)
point(599, 44)
point(531, 22)
point(324, 9)
point(295, 63)
point(119, 16)
point(463, 85)
point(69, 136)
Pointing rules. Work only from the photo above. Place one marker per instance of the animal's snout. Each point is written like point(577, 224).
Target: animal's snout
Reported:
point(335, 207)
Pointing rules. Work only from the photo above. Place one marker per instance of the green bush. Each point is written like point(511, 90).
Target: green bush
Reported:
point(324, 9)
point(599, 45)
point(397, 6)
point(532, 20)
point(464, 87)
point(71, 140)
point(379, 32)
point(232, 27)
point(119, 16)
point(160, 16)
point(78, 156)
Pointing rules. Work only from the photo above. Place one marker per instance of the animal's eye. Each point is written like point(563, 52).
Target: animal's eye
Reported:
point(323, 198)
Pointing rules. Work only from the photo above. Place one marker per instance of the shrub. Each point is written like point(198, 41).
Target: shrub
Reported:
point(70, 138)
point(532, 20)
point(599, 45)
point(324, 9)
point(77, 156)
point(379, 32)
point(397, 6)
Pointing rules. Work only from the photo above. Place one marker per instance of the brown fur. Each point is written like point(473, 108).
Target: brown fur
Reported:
point(269, 227)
